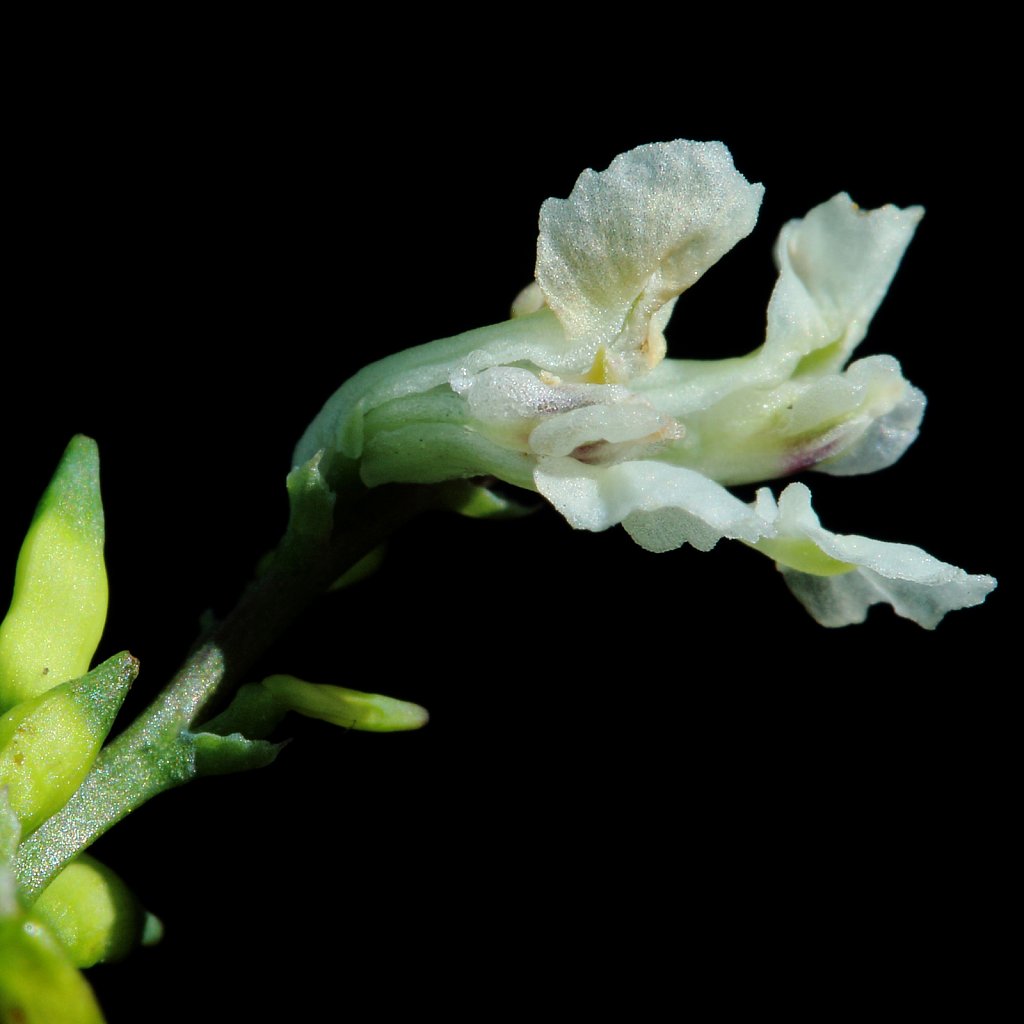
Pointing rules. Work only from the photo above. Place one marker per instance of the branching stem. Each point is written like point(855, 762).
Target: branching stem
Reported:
point(155, 752)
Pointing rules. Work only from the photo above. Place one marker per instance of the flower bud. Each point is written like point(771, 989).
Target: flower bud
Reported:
point(59, 604)
point(93, 913)
point(352, 709)
point(48, 744)
point(38, 982)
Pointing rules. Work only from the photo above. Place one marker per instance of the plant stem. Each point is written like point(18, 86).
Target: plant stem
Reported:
point(155, 753)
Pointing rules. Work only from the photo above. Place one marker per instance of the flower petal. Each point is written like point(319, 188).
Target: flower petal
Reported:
point(857, 572)
point(631, 238)
point(883, 424)
point(835, 266)
point(662, 507)
point(857, 421)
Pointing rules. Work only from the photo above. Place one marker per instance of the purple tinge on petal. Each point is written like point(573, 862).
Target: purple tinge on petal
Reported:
point(805, 458)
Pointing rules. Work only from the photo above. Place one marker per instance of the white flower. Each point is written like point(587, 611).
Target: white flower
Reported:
point(573, 398)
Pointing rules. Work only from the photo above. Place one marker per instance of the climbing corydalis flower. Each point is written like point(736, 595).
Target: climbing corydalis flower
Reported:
point(573, 397)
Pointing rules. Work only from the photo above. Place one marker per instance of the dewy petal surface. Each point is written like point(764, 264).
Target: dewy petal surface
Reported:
point(917, 585)
point(631, 238)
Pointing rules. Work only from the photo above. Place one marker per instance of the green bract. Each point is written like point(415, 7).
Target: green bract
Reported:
point(573, 398)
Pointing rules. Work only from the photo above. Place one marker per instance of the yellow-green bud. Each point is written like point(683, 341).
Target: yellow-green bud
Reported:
point(93, 913)
point(59, 605)
point(352, 709)
point(38, 983)
point(48, 744)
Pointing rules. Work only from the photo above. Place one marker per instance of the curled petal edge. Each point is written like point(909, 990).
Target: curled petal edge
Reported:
point(836, 577)
point(835, 267)
point(662, 507)
point(857, 572)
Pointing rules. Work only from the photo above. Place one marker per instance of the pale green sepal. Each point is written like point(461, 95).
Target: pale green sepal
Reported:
point(368, 712)
point(339, 428)
point(222, 755)
point(96, 917)
point(48, 744)
point(59, 603)
point(430, 453)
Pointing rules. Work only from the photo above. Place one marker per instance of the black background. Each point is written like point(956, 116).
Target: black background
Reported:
point(207, 244)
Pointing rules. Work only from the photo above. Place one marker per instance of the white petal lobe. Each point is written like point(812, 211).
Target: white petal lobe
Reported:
point(661, 506)
point(916, 585)
point(835, 266)
point(629, 239)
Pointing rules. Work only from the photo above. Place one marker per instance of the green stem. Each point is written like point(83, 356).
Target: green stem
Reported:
point(155, 753)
